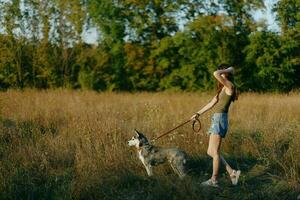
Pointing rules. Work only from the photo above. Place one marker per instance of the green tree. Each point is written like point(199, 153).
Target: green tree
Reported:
point(288, 14)
point(272, 62)
point(14, 45)
point(262, 62)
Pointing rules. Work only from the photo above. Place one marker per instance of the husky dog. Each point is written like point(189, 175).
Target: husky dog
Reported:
point(151, 155)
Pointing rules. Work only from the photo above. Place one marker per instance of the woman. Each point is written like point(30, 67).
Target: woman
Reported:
point(221, 102)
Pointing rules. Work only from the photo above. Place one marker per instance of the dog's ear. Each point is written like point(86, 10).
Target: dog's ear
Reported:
point(137, 133)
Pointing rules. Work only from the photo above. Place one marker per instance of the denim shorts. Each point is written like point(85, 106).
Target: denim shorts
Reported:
point(219, 124)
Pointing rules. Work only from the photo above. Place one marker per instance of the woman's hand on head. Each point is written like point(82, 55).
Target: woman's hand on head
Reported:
point(224, 71)
point(230, 70)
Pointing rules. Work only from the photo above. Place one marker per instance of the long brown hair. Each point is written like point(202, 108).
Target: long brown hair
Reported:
point(230, 77)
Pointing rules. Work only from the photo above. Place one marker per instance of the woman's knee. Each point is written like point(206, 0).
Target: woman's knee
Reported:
point(212, 153)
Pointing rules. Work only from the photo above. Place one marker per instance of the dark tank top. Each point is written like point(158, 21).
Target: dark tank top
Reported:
point(224, 102)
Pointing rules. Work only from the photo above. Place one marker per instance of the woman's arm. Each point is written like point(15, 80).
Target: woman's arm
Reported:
point(206, 107)
point(224, 81)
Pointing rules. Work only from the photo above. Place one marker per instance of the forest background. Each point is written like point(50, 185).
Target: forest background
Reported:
point(150, 45)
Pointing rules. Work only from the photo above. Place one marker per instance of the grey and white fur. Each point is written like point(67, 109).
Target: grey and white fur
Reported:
point(151, 155)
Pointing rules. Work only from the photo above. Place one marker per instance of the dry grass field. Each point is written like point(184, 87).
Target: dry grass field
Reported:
point(65, 144)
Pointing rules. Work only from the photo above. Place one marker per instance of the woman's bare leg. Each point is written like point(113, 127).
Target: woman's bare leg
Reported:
point(228, 168)
point(214, 151)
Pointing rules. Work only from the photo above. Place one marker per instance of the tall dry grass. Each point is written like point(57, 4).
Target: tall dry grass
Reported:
point(65, 144)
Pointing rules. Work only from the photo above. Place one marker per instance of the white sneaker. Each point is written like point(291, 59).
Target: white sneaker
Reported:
point(234, 176)
point(210, 182)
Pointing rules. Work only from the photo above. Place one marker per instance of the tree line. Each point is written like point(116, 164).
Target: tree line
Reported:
point(149, 45)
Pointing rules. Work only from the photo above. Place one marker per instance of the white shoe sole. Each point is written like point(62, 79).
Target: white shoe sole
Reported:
point(237, 176)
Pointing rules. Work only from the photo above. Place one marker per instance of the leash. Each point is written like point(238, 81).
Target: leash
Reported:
point(195, 121)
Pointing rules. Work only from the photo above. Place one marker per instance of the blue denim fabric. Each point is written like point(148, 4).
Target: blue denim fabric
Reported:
point(219, 124)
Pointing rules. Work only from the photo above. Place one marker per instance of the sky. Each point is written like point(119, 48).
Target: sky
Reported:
point(266, 14)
